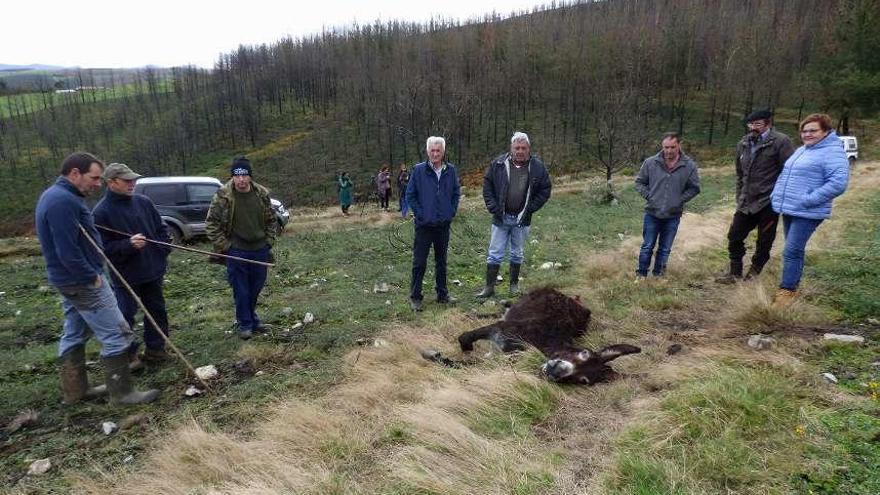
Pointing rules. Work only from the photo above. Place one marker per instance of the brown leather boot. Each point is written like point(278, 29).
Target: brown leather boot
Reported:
point(783, 298)
point(119, 383)
point(74, 381)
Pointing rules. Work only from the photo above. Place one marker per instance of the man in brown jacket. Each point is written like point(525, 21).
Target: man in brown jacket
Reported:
point(760, 156)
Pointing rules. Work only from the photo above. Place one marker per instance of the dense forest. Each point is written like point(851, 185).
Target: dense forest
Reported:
point(592, 82)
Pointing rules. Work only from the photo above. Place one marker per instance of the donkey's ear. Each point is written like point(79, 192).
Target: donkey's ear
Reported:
point(613, 352)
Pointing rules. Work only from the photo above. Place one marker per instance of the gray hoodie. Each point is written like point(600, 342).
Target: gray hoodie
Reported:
point(667, 190)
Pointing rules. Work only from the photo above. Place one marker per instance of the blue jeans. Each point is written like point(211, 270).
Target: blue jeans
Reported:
point(797, 232)
point(404, 206)
point(509, 234)
point(94, 309)
point(150, 293)
point(247, 281)
point(654, 229)
point(425, 237)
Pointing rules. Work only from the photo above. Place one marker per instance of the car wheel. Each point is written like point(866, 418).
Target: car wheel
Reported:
point(175, 234)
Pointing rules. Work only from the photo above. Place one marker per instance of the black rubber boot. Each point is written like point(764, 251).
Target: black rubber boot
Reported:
point(119, 382)
point(74, 381)
point(514, 278)
point(734, 273)
point(491, 278)
point(753, 272)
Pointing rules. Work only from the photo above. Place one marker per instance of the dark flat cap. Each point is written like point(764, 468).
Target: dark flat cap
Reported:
point(759, 115)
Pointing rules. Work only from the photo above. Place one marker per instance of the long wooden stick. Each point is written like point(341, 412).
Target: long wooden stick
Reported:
point(184, 248)
point(141, 305)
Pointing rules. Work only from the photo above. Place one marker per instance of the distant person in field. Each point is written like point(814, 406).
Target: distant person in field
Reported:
point(433, 192)
point(344, 188)
point(241, 223)
point(667, 181)
point(76, 269)
point(516, 185)
point(760, 156)
point(813, 176)
point(402, 181)
point(383, 187)
point(141, 264)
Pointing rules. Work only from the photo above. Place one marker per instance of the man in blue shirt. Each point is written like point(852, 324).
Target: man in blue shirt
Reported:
point(75, 268)
point(433, 192)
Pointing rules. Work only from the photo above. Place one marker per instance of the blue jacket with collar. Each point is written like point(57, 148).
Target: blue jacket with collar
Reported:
point(133, 214)
point(812, 177)
point(434, 201)
point(70, 258)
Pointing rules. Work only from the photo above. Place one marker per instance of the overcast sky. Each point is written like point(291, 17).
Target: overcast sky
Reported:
point(123, 33)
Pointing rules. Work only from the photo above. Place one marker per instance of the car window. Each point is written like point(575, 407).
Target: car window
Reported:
point(201, 193)
point(165, 194)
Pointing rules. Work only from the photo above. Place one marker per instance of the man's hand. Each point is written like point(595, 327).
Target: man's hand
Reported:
point(138, 241)
point(217, 260)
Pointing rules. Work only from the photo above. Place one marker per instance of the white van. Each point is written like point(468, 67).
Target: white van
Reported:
point(850, 147)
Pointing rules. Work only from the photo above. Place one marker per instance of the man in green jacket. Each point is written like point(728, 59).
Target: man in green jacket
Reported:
point(241, 223)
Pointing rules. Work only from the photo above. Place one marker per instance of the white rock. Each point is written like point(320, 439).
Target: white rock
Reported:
point(2, 294)
point(534, 241)
point(128, 459)
point(43, 288)
point(547, 265)
point(845, 338)
point(308, 318)
point(39, 467)
point(380, 288)
point(620, 236)
point(456, 282)
point(228, 332)
point(380, 343)
point(206, 372)
point(314, 285)
point(18, 313)
point(761, 342)
point(260, 373)
point(388, 302)
point(557, 265)
point(108, 427)
point(296, 325)
point(192, 391)
point(830, 377)
point(287, 311)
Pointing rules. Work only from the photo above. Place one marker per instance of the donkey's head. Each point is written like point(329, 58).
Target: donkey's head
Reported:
point(584, 366)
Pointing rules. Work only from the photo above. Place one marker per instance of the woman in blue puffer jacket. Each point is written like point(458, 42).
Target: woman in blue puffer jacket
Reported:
point(813, 176)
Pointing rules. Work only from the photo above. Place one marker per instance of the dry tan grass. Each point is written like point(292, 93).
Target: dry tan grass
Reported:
point(396, 420)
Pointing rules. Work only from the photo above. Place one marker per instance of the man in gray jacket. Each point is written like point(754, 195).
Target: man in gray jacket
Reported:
point(760, 156)
point(667, 181)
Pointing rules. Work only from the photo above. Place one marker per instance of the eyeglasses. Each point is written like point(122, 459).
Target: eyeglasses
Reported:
point(810, 131)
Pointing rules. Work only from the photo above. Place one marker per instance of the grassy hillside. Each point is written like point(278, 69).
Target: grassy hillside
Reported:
point(346, 405)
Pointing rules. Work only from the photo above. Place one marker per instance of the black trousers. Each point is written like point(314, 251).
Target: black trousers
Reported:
point(150, 293)
point(437, 236)
point(743, 223)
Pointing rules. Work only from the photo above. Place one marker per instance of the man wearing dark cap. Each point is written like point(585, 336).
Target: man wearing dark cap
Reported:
point(141, 264)
point(66, 229)
point(241, 223)
point(760, 156)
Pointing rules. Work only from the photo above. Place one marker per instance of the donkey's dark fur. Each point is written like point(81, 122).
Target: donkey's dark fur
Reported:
point(551, 322)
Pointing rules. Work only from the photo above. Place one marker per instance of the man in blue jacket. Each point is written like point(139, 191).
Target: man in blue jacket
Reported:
point(667, 181)
point(141, 264)
point(75, 269)
point(433, 192)
point(515, 186)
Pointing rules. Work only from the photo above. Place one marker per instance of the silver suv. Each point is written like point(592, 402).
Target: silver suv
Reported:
point(183, 203)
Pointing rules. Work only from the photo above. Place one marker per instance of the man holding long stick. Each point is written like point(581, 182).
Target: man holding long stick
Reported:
point(241, 224)
point(141, 263)
point(75, 269)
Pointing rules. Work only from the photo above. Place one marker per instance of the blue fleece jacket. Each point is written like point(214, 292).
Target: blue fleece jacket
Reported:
point(812, 177)
point(434, 202)
point(70, 258)
point(135, 215)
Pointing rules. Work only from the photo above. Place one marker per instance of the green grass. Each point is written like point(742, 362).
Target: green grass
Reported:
point(514, 414)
